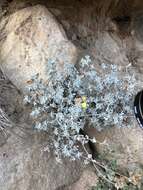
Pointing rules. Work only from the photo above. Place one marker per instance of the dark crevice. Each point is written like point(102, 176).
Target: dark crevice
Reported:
point(122, 19)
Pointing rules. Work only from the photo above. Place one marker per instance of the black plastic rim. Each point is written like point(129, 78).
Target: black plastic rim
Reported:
point(138, 108)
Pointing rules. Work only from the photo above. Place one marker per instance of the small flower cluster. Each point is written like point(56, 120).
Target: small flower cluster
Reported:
point(66, 99)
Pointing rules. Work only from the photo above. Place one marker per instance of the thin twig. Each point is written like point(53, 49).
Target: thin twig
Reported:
point(100, 173)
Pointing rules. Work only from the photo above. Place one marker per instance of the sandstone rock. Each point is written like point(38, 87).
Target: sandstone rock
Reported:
point(137, 42)
point(33, 36)
point(87, 180)
point(109, 49)
point(25, 166)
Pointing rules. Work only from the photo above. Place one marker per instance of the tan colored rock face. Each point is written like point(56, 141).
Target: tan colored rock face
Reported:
point(109, 49)
point(33, 37)
point(24, 166)
point(87, 180)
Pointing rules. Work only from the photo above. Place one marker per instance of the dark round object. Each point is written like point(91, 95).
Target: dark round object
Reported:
point(138, 108)
point(93, 105)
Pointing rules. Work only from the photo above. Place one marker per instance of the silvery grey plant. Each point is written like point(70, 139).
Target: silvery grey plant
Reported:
point(56, 102)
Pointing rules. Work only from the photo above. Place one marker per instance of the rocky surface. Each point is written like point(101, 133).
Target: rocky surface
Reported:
point(24, 166)
point(87, 180)
point(25, 49)
point(33, 37)
point(109, 49)
point(121, 144)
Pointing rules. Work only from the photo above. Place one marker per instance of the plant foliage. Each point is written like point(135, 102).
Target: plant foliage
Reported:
point(66, 99)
